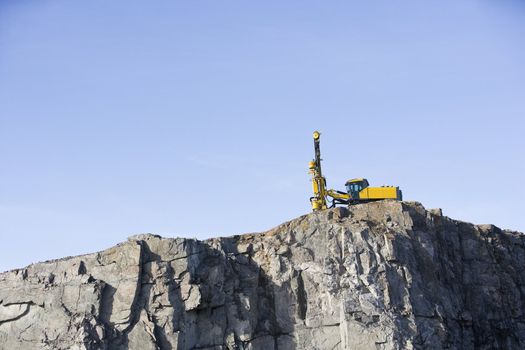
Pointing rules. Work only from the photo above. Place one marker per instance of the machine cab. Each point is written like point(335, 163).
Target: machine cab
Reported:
point(354, 186)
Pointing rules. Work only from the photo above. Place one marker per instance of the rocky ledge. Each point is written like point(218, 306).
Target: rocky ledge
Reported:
point(383, 275)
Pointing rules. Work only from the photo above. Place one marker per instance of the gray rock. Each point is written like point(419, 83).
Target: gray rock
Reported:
point(383, 275)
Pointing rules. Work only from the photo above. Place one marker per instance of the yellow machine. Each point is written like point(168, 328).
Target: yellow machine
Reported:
point(357, 190)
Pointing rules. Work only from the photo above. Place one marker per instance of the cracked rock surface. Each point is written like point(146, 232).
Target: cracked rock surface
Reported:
point(382, 275)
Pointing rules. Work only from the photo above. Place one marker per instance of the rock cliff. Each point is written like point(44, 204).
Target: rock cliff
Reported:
point(383, 275)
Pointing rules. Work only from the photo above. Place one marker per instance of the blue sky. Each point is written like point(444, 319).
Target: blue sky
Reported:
point(194, 118)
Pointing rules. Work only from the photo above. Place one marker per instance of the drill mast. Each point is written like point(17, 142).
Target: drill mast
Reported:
point(318, 181)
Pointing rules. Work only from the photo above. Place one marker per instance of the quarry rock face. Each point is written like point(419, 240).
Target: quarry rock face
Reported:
point(382, 275)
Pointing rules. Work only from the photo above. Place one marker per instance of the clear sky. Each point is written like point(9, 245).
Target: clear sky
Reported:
point(194, 118)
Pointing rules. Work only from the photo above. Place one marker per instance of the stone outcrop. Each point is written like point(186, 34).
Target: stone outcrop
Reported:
point(383, 275)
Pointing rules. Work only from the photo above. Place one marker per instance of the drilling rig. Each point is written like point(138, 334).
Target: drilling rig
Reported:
point(357, 190)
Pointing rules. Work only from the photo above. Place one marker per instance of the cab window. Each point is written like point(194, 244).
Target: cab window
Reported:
point(354, 187)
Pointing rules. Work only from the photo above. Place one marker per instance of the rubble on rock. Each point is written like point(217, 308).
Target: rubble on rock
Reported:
point(382, 275)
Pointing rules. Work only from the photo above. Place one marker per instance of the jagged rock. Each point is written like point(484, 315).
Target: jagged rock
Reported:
point(383, 275)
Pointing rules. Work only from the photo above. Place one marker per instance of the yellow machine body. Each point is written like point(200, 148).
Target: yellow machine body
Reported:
point(379, 193)
point(357, 190)
point(360, 189)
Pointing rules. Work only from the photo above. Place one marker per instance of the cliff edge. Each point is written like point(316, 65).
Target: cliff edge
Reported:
point(382, 275)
